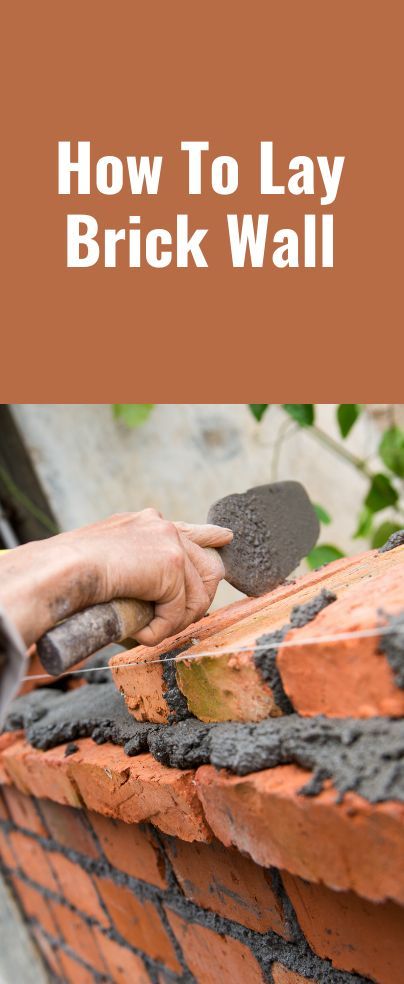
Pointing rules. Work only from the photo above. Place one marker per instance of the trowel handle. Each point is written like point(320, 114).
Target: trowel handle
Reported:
point(84, 633)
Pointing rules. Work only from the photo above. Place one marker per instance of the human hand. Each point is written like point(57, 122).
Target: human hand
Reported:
point(138, 555)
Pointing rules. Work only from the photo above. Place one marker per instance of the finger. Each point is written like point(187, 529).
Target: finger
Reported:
point(169, 613)
point(197, 596)
point(208, 563)
point(206, 535)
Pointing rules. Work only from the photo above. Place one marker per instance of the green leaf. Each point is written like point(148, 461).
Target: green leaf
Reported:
point(258, 409)
point(381, 493)
point(391, 450)
point(347, 413)
point(303, 413)
point(322, 514)
point(323, 554)
point(383, 532)
point(364, 527)
point(132, 414)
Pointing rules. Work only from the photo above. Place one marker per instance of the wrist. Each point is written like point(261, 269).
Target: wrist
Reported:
point(41, 583)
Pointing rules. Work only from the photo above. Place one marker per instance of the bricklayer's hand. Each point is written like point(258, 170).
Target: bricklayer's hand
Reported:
point(138, 555)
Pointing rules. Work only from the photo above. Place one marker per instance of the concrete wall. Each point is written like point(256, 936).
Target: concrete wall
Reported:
point(187, 455)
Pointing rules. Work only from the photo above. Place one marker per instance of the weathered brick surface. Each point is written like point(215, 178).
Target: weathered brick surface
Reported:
point(124, 967)
point(43, 774)
point(136, 789)
point(32, 859)
point(138, 922)
point(69, 827)
point(213, 957)
point(22, 811)
point(76, 886)
point(143, 686)
point(356, 935)
point(228, 883)
point(226, 685)
point(50, 954)
point(6, 854)
point(130, 848)
point(7, 739)
point(282, 975)
point(78, 935)
point(350, 677)
point(105, 780)
point(348, 845)
point(35, 905)
point(73, 971)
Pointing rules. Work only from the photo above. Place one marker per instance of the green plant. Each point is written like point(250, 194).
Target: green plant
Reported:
point(132, 414)
point(384, 490)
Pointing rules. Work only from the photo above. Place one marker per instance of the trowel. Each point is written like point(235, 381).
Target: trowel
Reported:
point(274, 527)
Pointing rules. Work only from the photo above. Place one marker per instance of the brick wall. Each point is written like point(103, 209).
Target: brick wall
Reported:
point(117, 902)
point(165, 866)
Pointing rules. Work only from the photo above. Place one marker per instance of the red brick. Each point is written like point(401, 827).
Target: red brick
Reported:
point(123, 966)
point(69, 827)
point(225, 685)
point(356, 935)
point(4, 814)
point(143, 686)
point(138, 922)
point(282, 975)
point(32, 859)
point(73, 971)
point(213, 957)
point(137, 789)
point(43, 774)
point(348, 677)
point(351, 845)
point(230, 884)
point(6, 853)
point(77, 887)
point(78, 936)
point(7, 739)
point(49, 953)
point(23, 811)
point(35, 905)
point(131, 849)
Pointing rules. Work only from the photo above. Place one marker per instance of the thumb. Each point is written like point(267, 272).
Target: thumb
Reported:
point(205, 535)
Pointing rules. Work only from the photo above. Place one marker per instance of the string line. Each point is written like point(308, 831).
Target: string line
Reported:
point(292, 643)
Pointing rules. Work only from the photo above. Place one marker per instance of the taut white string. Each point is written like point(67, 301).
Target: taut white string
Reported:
point(186, 655)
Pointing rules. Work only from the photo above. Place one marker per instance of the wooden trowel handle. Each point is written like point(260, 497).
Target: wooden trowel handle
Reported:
point(87, 631)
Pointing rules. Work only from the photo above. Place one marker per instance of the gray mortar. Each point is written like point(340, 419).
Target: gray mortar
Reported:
point(395, 540)
point(97, 712)
point(366, 756)
point(265, 658)
point(274, 526)
point(392, 645)
point(302, 614)
point(173, 696)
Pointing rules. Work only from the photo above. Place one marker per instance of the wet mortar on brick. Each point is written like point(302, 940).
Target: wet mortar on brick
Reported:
point(267, 645)
point(363, 755)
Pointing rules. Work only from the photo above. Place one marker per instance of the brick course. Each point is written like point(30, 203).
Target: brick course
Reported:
point(128, 870)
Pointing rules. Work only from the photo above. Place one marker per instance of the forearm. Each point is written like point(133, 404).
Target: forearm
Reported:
point(41, 583)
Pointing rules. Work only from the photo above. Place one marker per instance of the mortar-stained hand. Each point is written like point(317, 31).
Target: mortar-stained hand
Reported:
point(129, 555)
